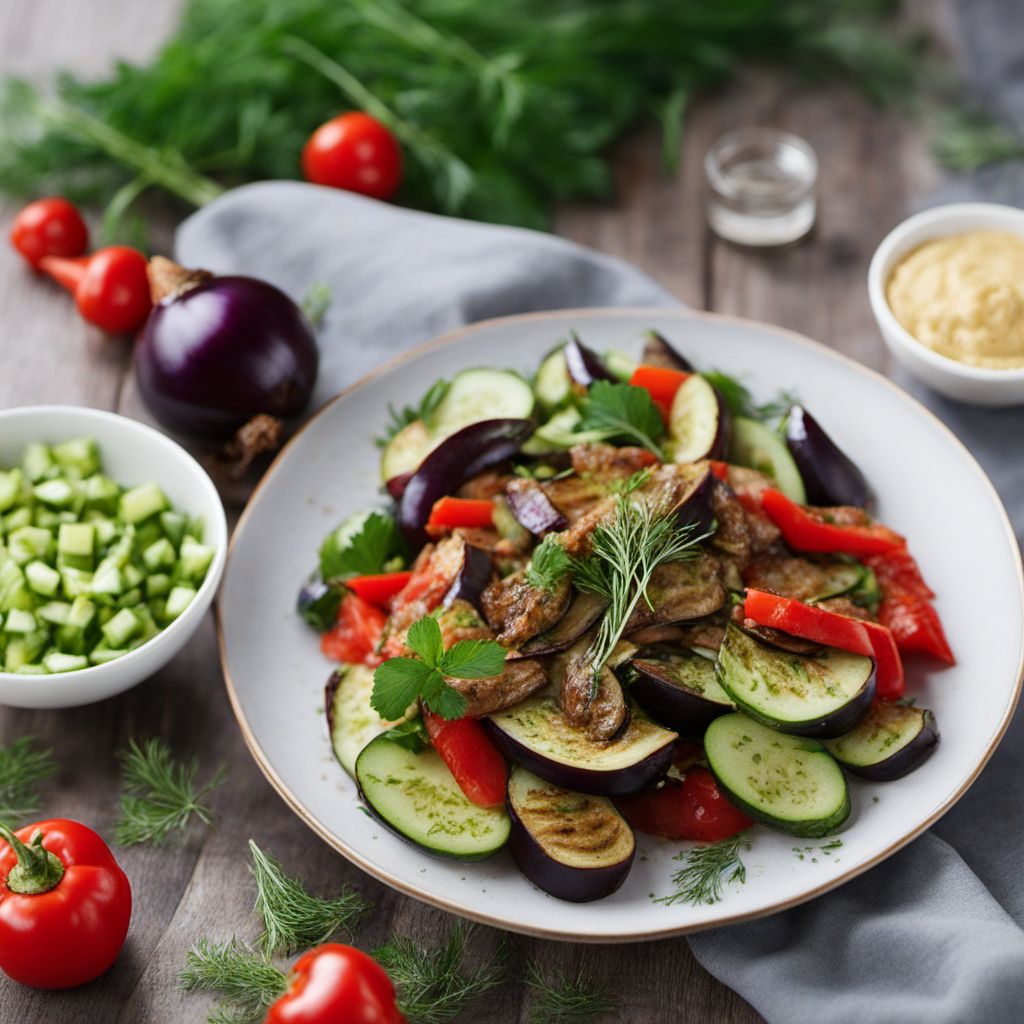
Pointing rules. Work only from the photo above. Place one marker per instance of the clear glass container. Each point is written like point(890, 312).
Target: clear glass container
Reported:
point(761, 187)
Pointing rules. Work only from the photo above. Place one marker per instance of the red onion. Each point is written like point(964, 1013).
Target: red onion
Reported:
point(217, 351)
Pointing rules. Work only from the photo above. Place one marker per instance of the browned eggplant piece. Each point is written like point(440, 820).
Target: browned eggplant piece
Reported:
point(679, 592)
point(732, 535)
point(583, 612)
point(659, 351)
point(678, 688)
point(454, 461)
point(584, 364)
point(689, 489)
point(779, 640)
point(538, 736)
point(608, 462)
point(574, 846)
point(519, 611)
point(830, 476)
point(706, 635)
point(396, 485)
point(533, 509)
point(890, 742)
point(472, 578)
point(602, 711)
point(518, 680)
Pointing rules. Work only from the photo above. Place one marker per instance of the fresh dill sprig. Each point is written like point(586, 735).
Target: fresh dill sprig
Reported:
point(966, 140)
point(434, 986)
point(246, 982)
point(565, 998)
point(705, 870)
point(625, 552)
point(631, 483)
point(622, 412)
point(22, 766)
point(293, 919)
point(159, 793)
point(549, 563)
point(402, 417)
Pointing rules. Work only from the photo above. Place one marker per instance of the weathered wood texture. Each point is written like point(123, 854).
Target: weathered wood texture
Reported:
point(871, 164)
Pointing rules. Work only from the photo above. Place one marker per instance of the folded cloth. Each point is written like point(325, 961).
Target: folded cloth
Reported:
point(930, 936)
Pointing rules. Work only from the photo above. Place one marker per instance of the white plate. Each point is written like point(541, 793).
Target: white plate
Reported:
point(930, 488)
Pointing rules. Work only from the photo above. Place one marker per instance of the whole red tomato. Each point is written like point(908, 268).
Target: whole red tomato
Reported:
point(335, 984)
point(355, 152)
point(64, 904)
point(49, 227)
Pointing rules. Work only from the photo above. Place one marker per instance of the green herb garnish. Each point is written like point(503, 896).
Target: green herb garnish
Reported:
point(375, 541)
point(246, 981)
point(293, 919)
point(423, 410)
point(741, 402)
point(548, 565)
point(966, 140)
point(22, 766)
point(398, 682)
point(622, 413)
point(565, 998)
point(159, 793)
point(705, 870)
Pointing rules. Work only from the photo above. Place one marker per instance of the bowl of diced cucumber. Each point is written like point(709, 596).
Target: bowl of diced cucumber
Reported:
point(112, 545)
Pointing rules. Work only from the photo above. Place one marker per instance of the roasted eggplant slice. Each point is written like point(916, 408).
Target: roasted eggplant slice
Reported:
point(518, 611)
point(678, 688)
point(472, 579)
point(574, 846)
point(822, 696)
point(790, 783)
point(583, 612)
point(830, 476)
point(680, 592)
point(538, 736)
point(533, 509)
point(659, 351)
point(584, 364)
point(318, 602)
point(600, 709)
point(890, 742)
point(700, 425)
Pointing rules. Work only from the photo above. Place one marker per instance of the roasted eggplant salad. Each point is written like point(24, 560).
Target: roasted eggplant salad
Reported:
point(617, 597)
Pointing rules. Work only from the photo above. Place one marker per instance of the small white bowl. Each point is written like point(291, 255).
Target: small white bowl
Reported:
point(973, 384)
point(132, 454)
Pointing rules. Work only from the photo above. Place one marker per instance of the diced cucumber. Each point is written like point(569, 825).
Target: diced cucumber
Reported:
point(19, 621)
point(141, 502)
point(107, 579)
point(32, 670)
point(121, 628)
point(133, 576)
point(157, 585)
point(42, 579)
point(79, 457)
point(57, 661)
point(81, 613)
point(552, 383)
point(194, 560)
point(37, 462)
point(23, 650)
point(56, 493)
point(101, 494)
point(28, 543)
point(76, 545)
point(476, 395)
point(173, 526)
point(76, 581)
point(106, 531)
point(160, 555)
point(195, 527)
point(54, 612)
point(100, 655)
point(130, 597)
point(620, 363)
point(756, 446)
point(177, 601)
point(10, 488)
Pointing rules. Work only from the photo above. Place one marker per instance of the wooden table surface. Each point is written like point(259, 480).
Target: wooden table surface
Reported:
point(872, 167)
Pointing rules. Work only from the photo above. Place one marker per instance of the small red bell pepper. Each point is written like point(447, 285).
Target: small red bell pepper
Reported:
point(64, 904)
point(661, 383)
point(693, 808)
point(449, 513)
point(379, 588)
point(834, 630)
point(808, 529)
point(354, 638)
point(471, 757)
point(333, 984)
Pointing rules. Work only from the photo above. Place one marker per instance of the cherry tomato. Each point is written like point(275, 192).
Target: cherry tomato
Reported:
point(355, 152)
point(471, 757)
point(691, 809)
point(335, 984)
point(111, 287)
point(64, 904)
point(354, 638)
point(49, 227)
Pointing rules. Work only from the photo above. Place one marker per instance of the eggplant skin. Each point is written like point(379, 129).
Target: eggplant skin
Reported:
point(686, 711)
point(910, 756)
point(830, 476)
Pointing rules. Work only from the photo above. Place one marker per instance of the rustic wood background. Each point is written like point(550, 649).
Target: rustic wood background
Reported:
point(872, 167)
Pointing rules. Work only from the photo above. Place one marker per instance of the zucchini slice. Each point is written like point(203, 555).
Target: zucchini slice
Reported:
point(572, 845)
point(406, 450)
point(757, 447)
point(891, 741)
point(823, 695)
point(535, 734)
point(700, 424)
point(790, 783)
point(416, 796)
point(476, 395)
point(552, 384)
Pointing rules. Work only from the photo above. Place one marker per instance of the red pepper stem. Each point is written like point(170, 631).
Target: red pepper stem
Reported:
point(68, 273)
point(37, 871)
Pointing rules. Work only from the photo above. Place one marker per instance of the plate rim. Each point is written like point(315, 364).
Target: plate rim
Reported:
point(408, 889)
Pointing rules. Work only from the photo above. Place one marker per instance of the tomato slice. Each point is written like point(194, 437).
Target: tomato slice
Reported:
point(471, 757)
point(448, 513)
point(354, 637)
point(379, 588)
point(661, 383)
point(807, 529)
point(691, 809)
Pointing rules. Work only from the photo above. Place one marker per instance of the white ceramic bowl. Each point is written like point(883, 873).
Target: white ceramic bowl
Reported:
point(132, 454)
point(972, 384)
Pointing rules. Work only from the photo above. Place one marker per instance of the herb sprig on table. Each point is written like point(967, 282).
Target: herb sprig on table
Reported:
point(502, 109)
point(23, 764)
point(564, 998)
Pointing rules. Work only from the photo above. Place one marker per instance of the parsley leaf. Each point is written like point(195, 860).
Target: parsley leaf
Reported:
point(549, 564)
point(398, 682)
point(423, 410)
point(741, 402)
point(364, 544)
point(623, 413)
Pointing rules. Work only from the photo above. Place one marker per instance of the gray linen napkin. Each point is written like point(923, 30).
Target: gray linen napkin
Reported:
point(930, 937)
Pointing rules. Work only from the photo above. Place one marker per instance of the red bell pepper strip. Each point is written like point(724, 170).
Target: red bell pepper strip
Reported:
point(354, 639)
point(333, 984)
point(807, 529)
point(379, 588)
point(471, 757)
point(661, 383)
point(719, 470)
point(64, 904)
point(691, 809)
point(448, 513)
point(899, 569)
point(834, 630)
